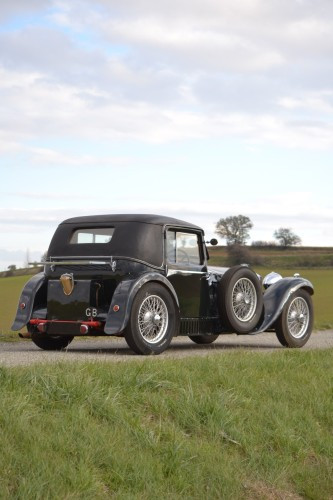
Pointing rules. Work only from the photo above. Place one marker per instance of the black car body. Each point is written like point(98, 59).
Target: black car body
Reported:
point(145, 277)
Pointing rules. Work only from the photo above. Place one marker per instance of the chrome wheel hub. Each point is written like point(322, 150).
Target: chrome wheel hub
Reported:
point(298, 317)
point(244, 299)
point(153, 319)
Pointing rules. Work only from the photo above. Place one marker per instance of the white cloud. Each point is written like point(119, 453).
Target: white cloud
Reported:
point(36, 107)
point(8, 144)
point(318, 102)
point(21, 7)
point(193, 47)
point(172, 71)
point(51, 157)
point(262, 34)
point(298, 210)
point(119, 79)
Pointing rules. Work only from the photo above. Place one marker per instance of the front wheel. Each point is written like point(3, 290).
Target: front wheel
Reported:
point(153, 320)
point(294, 326)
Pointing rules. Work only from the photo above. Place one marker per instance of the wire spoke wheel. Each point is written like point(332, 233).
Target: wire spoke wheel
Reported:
point(240, 300)
point(244, 299)
point(298, 317)
point(153, 319)
point(294, 326)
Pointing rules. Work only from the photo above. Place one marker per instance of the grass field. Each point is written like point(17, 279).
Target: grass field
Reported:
point(237, 425)
point(277, 257)
point(322, 280)
point(10, 289)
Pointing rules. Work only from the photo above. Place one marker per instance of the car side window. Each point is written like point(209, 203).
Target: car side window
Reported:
point(182, 248)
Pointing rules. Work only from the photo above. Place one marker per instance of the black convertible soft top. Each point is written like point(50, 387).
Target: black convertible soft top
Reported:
point(160, 220)
point(138, 236)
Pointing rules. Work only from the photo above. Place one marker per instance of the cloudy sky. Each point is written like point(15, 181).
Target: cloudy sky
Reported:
point(197, 109)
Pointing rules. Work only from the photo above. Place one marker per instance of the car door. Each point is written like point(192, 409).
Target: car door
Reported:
point(187, 271)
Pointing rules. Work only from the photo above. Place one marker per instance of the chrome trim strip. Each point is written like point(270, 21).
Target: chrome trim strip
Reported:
point(73, 263)
point(83, 261)
point(83, 257)
point(182, 271)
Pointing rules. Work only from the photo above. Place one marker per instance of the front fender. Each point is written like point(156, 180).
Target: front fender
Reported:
point(275, 298)
point(123, 297)
point(27, 297)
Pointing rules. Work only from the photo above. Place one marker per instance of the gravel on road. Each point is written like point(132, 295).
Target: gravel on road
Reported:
point(115, 349)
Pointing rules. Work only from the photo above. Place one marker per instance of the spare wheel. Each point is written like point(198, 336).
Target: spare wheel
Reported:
point(240, 300)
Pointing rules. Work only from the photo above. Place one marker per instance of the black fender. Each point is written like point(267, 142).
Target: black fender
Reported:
point(275, 298)
point(123, 297)
point(28, 294)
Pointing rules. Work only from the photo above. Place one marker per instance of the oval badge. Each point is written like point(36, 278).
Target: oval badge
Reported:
point(67, 281)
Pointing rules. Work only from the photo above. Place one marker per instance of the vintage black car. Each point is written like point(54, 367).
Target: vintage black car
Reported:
point(145, 277)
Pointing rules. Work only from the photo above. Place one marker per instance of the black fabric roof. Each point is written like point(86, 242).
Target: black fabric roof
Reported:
point(160, 220)
point(136, 236)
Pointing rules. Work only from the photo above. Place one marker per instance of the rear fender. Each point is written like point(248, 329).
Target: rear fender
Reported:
point(275, 298)
point(123, 298)
point(28, 294)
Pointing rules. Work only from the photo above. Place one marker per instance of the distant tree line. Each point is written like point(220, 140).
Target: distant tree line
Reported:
point(235, 229)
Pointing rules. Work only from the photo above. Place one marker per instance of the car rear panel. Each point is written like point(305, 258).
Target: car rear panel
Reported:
point(69, 307)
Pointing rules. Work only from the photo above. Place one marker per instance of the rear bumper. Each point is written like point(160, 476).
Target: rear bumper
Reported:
point(57, 327)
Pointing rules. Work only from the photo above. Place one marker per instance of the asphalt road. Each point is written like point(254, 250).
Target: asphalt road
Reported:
point(115, 350)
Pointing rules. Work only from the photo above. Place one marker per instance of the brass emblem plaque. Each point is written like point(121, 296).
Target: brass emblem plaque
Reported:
point(67, 281)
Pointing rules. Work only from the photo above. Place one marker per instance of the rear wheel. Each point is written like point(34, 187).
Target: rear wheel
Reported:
point(203, 339)
point(51, 343)
point(153, 320)
point(294, 326)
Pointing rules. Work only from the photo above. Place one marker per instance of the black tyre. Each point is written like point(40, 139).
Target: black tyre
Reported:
point(240, 300)
point(51, 343)
point(203, 339)
point(153, 320)
point(294, 326)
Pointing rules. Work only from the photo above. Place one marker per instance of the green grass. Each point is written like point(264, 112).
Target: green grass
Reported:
point(10, 290)
point(237, 425)
point(288, 258)
point(25, 271)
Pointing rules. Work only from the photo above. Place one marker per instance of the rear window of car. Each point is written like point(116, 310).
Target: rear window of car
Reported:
point(98, 236)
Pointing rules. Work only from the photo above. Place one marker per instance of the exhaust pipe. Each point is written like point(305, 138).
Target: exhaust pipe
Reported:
point(25, 335)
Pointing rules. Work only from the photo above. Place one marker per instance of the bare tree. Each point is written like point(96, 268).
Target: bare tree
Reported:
point(235, 229)
point(287, 237)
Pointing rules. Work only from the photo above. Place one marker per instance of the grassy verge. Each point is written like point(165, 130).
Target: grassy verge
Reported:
point(237, 425)
point(10, 290)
